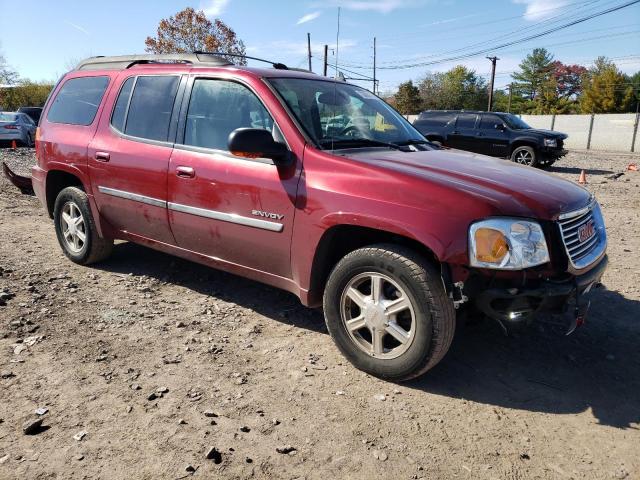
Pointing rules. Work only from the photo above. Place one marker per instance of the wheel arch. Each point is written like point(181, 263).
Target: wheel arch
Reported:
point(524, 142)
point(58, 180)
point(339, 240)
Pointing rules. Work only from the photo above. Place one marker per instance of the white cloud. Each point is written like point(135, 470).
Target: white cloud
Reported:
point(213, 8)
point(77, 27)
point(308, 17)
point(541, 9)
point(380, 6)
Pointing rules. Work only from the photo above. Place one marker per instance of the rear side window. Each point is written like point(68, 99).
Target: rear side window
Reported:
point(466, 121)
point(489, 122)
point(435, 118)
point(150, 107)
point(120, 109)
point(78, 100)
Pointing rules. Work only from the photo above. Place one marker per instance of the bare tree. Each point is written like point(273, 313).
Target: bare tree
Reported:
point(8, 75)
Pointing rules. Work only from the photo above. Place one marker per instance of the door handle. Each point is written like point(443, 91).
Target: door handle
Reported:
point(102, 156)
point(185, 172)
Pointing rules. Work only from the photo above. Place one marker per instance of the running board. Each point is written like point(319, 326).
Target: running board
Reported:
point(23, 183)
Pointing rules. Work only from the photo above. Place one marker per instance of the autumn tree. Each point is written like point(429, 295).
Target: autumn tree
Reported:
point(190, 30)
point(408, 100)
point(605, 89)
point(568, 79)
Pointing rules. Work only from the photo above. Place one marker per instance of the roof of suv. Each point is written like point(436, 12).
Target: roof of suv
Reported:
point(188, 60)
point(477, 112)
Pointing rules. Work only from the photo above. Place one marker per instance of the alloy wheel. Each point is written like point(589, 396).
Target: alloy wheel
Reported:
point(524, 157)
point(378, 315)
point(73, 227)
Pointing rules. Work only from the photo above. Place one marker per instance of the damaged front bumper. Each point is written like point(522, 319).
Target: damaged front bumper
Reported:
point(515, 306)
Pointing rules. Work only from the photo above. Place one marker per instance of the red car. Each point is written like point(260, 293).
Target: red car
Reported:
point(317, 187)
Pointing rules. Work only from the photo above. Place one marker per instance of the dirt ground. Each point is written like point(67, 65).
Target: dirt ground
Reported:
point(163, 363)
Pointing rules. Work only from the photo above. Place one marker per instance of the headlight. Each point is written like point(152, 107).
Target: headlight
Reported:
point(550, 142)
point(507, 244)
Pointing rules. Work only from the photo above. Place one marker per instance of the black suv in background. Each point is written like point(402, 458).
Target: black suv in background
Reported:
point(33, 112)
point(492, 133)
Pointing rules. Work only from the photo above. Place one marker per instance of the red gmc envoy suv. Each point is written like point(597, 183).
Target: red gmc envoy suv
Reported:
point(317, 187)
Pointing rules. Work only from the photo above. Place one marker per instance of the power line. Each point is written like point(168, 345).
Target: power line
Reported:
point(513, 42)
point(549, 21)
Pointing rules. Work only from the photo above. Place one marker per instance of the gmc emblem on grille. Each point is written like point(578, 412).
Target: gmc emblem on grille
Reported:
point(586, 231)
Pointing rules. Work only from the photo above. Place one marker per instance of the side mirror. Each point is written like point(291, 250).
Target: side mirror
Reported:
point(258, 143)
point(500, 126)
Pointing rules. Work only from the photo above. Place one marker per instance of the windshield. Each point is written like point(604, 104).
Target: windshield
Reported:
point(515, 122)
point(339, 115)
point(8, 117)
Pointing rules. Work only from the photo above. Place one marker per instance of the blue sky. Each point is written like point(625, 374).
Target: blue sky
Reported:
point(52, 35)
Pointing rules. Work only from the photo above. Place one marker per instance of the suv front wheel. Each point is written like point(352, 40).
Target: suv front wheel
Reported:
point(76, 229)
point(388, 312)
point(525, 156)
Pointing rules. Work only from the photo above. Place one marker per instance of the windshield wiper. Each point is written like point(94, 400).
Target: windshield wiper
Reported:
point(361, 141)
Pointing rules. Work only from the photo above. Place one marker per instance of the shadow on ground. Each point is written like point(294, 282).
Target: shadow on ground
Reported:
point(541, 370)
point(576, 171)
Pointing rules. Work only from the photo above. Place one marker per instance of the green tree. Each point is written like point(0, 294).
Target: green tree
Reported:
point(634, 81)
point(458, 88)
point(408, 101)
point(605, 89)
point(190, 30)
point(25, 94)
point(462, 88)
point(430, 88)
point(535, 71)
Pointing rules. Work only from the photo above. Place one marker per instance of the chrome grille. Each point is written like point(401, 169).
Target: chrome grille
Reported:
point(578, 250)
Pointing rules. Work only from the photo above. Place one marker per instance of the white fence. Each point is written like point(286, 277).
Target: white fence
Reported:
point(601, 131)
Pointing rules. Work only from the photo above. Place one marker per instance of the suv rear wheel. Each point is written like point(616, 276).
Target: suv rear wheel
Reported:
point(388, 312)
point(525, 156)
point(76, 229)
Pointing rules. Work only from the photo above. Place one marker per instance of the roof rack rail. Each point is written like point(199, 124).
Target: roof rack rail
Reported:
point(276, 65)
point(122, 62)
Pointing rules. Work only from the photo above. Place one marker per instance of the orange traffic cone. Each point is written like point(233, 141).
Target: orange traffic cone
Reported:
point(13, 144)
point(632, 167)
point(583, 178)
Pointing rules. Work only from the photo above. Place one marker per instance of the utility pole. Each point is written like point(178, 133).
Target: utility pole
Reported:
point(374, 65)
point(493, 77)
point(324, 70)
point(510, 95)
point(309, 49)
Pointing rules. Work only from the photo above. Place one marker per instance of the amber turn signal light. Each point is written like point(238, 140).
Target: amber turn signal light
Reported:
point(491, 245)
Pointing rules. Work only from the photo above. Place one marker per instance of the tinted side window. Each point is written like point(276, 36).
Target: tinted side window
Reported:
point(217, 108)
point(120, 109)
point(78, 100)
point(151, 106)
point(436, 118)
point(466, 121)
point(489, 122)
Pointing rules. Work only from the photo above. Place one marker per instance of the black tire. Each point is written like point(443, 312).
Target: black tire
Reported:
point(434, 318)
point(94, 248)
point(525, 155)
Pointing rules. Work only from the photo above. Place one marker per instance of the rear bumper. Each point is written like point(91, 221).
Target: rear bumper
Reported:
point(520, 304)
point(12, 135)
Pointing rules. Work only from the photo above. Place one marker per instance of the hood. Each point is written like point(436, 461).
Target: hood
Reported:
point(505, 187)
point(543, 132)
